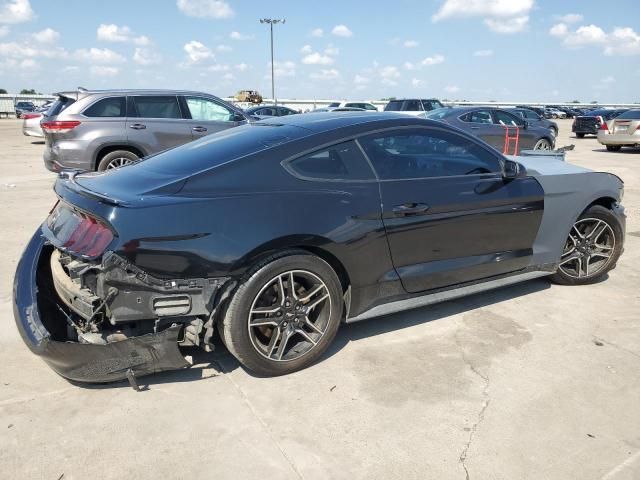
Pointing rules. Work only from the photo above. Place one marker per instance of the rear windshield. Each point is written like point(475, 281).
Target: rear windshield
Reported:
point(630, 115)
point(59, 105)
point(219, 148)
point(394, 106)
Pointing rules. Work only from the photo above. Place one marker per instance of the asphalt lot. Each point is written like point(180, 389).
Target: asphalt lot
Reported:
point(536, 381)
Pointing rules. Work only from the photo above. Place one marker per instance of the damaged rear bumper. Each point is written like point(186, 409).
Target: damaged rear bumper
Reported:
point(145, 354)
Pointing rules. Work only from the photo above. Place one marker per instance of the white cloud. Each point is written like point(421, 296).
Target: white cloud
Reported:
point(282, 69)
point(242, 67)
point(410, 43)
point(228, 76)
point(4, 31)
point(317, 32)
point(114, 33)
point(219, 67)
point(48, 35)
point(317, 59)
point(70, 69)
point(509, 25)
point(102, 71)
point(306, 49)
point(389, 82)
point(390, 71)
point(559, 30)
point(325, 74)
point(483, 53)
point(451, 89)
point(197, 52)
point(146, 57)
point(205, 8)
point(16, 11)
point(342, 31)
point(331, 50)
point(623, 41)
point(409, 66)
point(569, 18)
point(29, 64)
point(98, 55)
point(435, 60)
point(27, 50)
point(501, 16)
point(223, 48)
point(240, 36)
point(361, 80)
point(416, 82)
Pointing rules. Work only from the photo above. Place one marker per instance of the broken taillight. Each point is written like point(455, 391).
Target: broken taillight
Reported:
point(77, 232)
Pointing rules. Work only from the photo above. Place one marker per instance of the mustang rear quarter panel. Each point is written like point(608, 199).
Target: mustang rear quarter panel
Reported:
point(569, 190)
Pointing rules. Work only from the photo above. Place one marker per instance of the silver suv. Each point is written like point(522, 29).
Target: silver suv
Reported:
point(99, 130)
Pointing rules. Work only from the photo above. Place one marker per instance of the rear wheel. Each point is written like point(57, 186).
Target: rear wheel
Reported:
point(542, 144)
point(580, 135)
point(592, 248)
point(613, 148)
point(117, 159)
point(284, 315)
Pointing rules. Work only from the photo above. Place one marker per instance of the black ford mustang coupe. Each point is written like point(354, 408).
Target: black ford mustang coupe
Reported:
point(275, 232)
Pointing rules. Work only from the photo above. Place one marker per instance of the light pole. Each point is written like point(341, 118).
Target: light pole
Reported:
point(272, 22)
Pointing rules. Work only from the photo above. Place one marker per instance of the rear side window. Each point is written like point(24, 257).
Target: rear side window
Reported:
point(412, 106)
point(334, 105)
point(207, 110)
point(504, 118)
point(157, 106)
point(108, 107)
point(479, 116)
point(393, 106)
point(338, 162)
point(59, 105)
point(431, 105)
point(630, 115)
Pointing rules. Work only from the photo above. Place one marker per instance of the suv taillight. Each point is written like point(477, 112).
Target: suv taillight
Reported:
point(28, 116)
point(77, 232)
point(604, 127)
point(59, 126)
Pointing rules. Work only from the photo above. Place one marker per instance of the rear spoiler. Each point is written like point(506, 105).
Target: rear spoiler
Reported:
point(67, 180)
point(75, 95)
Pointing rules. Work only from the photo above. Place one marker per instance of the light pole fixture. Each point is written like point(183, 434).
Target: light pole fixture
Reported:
point(272, 22)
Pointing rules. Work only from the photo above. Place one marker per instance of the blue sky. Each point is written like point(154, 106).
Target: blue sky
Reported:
point(529, 50)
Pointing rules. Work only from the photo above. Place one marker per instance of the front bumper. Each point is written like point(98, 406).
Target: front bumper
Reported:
point(81, 362)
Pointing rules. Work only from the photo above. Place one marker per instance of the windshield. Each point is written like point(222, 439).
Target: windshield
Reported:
point(394, 106)
point(59, 105)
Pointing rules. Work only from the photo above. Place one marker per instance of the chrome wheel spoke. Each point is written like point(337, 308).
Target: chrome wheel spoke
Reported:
point(317, 302)
point(273, 342)
point(286, 335)
point(308, 297)
point(306, 336)
point(292, 286)
point(597, 231)
point(312, 326)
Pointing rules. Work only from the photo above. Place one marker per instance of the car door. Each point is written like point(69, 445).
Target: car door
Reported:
point(208, 116)
point(527, 137)
point(450, 215)
point(480, 123)
point(156, 123)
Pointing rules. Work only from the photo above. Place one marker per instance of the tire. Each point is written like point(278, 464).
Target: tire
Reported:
point(572, 272)
point(248, 330)
point(579, 135)
point(542, 144)
point(613, 148)
point(117, 159)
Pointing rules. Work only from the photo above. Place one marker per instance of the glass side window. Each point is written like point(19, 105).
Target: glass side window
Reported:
point(478, 116)
point(108, 107)
point(157, 106)
point(423, 153)
point(338, 162)
point(506, 119)
point(412, 106)
point(207, 110)
point(393, 106)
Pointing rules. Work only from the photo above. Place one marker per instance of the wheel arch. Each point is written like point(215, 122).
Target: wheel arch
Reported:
point(604, 201)
point(107, 149)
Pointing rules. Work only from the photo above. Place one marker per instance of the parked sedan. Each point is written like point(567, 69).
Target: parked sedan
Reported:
point(505, 131)
point(622, 131)
point(589, 123)
point(267, 111)
point(370, 107)
point(31, 125)
point(413, 106)
point(276, 232)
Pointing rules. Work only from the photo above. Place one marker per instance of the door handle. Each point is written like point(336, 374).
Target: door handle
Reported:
point(410, 209)
point(475, 128)
point(137, 126)
point(199, 129)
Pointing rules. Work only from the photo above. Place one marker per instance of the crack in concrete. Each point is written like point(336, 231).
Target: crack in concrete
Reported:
point(611, 344)
point(485, 405)
point(254, 412)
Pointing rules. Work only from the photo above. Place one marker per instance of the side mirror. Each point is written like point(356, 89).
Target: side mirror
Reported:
point(525, 125)
point(238, 117)
point(513, 170)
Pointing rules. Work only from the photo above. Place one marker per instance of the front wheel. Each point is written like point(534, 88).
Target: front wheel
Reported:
point(284, 315)
point(613, 148)
point(542, 144)
point(592, 248)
